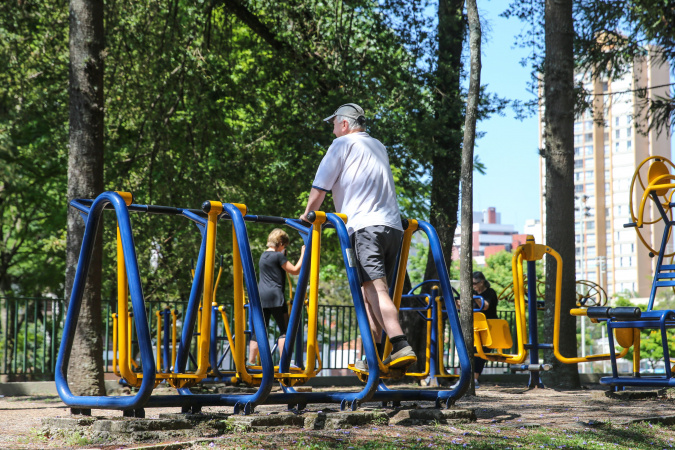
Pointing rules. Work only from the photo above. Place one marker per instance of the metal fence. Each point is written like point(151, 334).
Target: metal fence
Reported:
point(30, 333)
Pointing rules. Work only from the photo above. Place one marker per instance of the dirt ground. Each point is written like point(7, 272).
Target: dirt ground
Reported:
point(504, 406)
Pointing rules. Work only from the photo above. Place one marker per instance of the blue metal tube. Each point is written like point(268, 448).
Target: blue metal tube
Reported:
point(213, 344)
point(434, 369)
point(295, 319)
point(349, 257)
point(192, 309)
point(140, 318)
point(535, 380)
point(453, 320)
point(255, 310)
point(166, 338)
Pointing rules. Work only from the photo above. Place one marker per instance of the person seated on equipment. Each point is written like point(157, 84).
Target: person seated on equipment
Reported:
point(273, 266)
point(481, 287)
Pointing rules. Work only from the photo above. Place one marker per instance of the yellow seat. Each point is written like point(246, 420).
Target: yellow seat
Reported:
point(491, 333)
point(625, 337)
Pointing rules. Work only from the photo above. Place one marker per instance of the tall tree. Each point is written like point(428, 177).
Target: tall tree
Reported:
point(446, 160)
point(558, 153)
point(446, 143)
point(85, 180)
point(466, 246)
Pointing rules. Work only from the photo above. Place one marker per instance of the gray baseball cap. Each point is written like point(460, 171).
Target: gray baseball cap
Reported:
point(351, 110)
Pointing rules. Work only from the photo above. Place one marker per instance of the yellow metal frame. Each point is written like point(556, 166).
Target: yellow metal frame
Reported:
point(123, 363)
point(658, 176)
point(392, 372)
point(313, 363)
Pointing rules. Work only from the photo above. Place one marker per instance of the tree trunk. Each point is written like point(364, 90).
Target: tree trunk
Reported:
point(559, 196)
point(466, 247)
point(85, 180)
point(447, 156)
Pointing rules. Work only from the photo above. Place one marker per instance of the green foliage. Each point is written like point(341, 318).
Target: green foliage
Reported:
point(417, 262)
point(33, 151)
point(201, 105)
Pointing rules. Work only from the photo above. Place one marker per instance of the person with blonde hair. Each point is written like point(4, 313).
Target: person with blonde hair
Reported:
point(273, 266)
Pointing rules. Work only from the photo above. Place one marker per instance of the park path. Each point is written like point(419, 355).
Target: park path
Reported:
point(501, 405)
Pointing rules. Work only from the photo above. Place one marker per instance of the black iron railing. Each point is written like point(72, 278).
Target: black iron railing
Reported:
point(30, 331)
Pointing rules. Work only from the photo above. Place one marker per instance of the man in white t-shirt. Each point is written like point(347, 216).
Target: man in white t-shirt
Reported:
point(356, 170)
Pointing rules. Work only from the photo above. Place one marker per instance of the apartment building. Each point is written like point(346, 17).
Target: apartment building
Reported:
point(609, 143)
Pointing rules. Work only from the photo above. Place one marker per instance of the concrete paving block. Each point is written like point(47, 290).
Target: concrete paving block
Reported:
point(140, 425)
point(67, 423)
point(314, 421)
point(348, 419)
point(459, 414)
point(628, 395)
point(282, 419)
point(421, 416)
point(662, 420)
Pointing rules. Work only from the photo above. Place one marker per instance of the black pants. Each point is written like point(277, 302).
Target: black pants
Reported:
point(279, 314)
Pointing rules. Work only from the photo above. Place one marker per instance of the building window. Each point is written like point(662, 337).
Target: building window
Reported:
point(577, 139)
point(629, 145)
point(618, 134)
point(578, 188)
point(578, 164)
point(589, 124)
point(588, 150)
point(616, 121)
point(577, 151)
point(577, 127)
point(590, 225)
point(616, 147)
point(589, 174)
point(589, 137)
point(628, 132)
point(629, 119)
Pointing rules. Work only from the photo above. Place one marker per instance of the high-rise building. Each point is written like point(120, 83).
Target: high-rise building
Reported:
point(609, 144)
point(489, 236)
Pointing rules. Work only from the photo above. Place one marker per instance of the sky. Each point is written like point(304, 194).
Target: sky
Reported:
point(509, 148)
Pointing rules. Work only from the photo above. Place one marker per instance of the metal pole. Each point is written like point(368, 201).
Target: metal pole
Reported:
point(535, 381)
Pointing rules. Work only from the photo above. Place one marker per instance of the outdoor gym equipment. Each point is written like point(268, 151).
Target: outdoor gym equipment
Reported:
point(128, 284)
point(203, 283)
point(659, 193)
point(432, 308)
point(527, 340)
point(292, 375)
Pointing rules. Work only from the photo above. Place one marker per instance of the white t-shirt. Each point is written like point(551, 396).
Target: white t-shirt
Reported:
point(356, 169)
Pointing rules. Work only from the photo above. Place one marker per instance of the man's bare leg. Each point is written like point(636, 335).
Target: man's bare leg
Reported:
point(383, 308)
point(385, 312)
point(375, 322)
